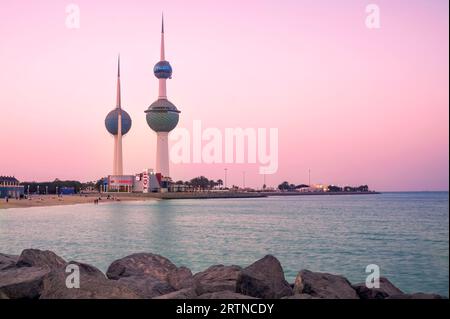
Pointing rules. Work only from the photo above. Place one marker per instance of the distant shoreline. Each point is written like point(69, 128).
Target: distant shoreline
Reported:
point(53, 200)
point(318, 193)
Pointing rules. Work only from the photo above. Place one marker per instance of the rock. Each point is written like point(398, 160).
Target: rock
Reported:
point(418, 295)
point(226, 294)
point(263, 279)
point(146, 286)
point(181, 278)
point(300, 296)
point(40, 258)
point(217, 278)
point(386, 289)
point(323, 285)
point(7, 261)
point(186, 293)
point(93, 285)
point(22, 283)
point(141, 264)
point(3, 296)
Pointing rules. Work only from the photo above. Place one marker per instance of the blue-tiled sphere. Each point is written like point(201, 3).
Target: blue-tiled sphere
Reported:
point(112, 121)
point(162, 116)
point(162, 70)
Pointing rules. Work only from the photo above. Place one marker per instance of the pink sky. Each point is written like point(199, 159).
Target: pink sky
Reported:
point(354, 105)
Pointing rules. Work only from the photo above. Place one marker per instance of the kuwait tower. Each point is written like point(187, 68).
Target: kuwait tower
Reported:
point(162, 116)
point(118, 123)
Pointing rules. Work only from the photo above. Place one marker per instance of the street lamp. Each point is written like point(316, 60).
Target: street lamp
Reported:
point(226, 169)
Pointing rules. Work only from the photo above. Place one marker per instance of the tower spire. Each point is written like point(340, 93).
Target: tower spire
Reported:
point(118, 100)
point(162, 55)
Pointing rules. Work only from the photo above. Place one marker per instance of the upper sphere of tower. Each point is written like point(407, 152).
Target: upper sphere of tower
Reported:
point(112, 121)
point(162, 70)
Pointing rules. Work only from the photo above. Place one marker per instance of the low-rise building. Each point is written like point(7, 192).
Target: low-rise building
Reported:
point(10, 187)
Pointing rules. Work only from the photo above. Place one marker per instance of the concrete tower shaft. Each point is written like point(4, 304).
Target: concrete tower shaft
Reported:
point(162, 115)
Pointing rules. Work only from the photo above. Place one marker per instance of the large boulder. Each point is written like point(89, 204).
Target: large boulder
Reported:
point(323, 285)
point(93, 285)
point(186, 293)
point(418, 295)
point(22, 283)
point(386, 289)
point(263, 279)
point(146, 286)
point(226, 294)
point(181, 278)
point(40, 258)
point(7, 261)
point(141, 264)
point(217, 278)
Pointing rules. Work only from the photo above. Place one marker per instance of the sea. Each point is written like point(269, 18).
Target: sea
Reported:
point(405, 234)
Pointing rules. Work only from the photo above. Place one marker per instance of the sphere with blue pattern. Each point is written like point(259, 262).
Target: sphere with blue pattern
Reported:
point(112, 121)
point(162, 70)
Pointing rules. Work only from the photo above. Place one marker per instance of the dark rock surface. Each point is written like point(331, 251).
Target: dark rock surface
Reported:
point(186, 293)
point(324, 285)
point(300, 296)
point(141, 264)
point(386, 289)
point(146, 286)
point(418, 295)
point(226, 294)
point(217, 278)
point(181, 278)
point(93, 285)
point(7, 261)
point(43, 274)
point(40, 258)
point(263, 279)
point(23, 282)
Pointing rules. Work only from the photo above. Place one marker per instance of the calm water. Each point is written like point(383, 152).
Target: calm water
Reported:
point(406, 234)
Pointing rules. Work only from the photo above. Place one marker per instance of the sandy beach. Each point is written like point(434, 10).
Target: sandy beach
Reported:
point(53, 200)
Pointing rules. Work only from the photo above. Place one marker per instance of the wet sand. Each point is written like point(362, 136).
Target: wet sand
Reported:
point(53, 200)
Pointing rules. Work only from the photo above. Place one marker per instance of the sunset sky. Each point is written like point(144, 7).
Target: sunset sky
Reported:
point(354, 105)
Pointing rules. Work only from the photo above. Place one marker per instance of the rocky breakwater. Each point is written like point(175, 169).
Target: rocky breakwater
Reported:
point(37, 274)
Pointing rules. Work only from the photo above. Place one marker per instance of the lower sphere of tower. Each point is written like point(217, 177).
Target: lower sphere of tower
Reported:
point(162, 116)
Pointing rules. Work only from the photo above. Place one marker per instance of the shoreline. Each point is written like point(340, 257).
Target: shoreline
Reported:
point(53, 200)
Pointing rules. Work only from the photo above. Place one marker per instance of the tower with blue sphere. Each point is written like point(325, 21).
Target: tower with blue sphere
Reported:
point(118, 123)
point(162, 115)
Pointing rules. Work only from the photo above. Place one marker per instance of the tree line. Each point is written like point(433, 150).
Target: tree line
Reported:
point(286, 186)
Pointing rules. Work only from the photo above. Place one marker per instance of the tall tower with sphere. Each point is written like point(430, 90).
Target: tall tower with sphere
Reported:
point(162, 116)
point(118, 123)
